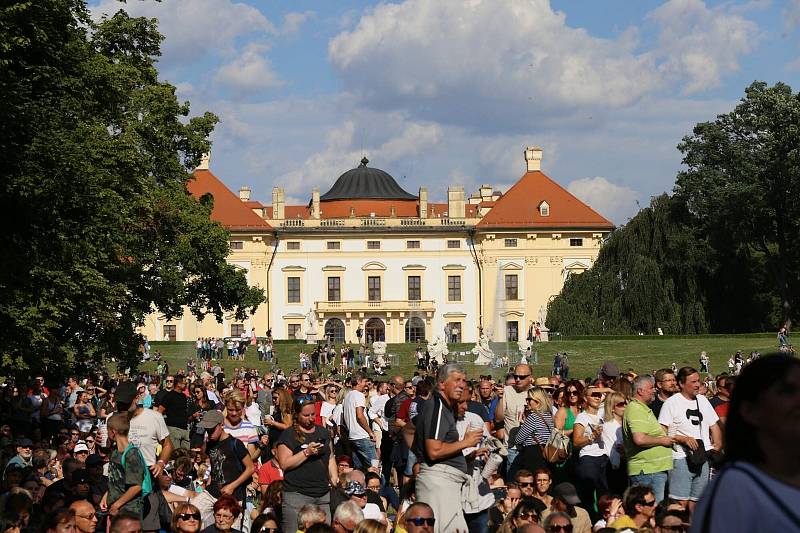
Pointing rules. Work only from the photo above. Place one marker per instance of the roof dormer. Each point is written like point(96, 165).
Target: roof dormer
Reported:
point(544, 209)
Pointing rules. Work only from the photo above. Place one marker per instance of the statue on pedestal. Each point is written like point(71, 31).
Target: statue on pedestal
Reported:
point(438, 349)
point(378, 354)
point(310, 328)
point(485, 354)
point(524, 346)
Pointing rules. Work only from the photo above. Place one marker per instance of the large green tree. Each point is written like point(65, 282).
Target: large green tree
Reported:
point(95, 155)
point(742, 183)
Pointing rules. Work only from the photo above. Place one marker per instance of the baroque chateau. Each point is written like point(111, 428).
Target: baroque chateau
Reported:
point(368, 254)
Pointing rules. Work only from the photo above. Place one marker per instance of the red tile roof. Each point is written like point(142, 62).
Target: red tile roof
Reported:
point(365, 207)
point(518, 208)
point(294, 211)
point(229, 210)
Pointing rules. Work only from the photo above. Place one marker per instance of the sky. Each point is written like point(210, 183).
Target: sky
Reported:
point(450, 92)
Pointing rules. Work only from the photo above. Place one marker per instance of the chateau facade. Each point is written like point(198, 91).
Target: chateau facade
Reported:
point(368, 254)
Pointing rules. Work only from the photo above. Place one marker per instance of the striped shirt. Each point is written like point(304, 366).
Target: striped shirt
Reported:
point(244, 432)
point(536, 429)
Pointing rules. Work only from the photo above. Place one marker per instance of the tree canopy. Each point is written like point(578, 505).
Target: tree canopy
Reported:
point(95, 155)
point(719, 254)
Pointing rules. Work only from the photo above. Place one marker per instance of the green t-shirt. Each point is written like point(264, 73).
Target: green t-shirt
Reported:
point(638, 418)
point(121, 479)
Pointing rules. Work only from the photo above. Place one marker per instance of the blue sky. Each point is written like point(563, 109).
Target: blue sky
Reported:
point(441, 92)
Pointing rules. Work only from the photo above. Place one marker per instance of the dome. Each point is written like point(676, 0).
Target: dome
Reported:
point(366, 182)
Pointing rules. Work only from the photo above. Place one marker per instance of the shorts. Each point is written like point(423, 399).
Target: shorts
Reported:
point(683, 484)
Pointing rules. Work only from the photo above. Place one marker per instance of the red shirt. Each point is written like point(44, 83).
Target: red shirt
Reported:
point(269, 473)
point(402, 413)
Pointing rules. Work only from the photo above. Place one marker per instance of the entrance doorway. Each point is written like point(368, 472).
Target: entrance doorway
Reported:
point(375, 330)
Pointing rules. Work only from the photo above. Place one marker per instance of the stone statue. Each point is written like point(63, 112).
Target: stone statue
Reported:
point(524, 346)
point(438, 349)
point(484, 352)
point(378, 353)
point(311, 326)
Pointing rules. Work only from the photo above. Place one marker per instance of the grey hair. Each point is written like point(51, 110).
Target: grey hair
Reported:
point(446, 370)
point(310, 514)
point(551, 516)
point(639, 382)
point(348, 512)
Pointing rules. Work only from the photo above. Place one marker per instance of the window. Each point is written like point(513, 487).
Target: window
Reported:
point(334, 331)
point(512, 331)
point(293, 290)
point(454, 244)
point(511, 243)
point(293, 331)
point(512, 287)
point(453, 288)
point(335, 289)
point(373, 245)
point(415, 329)
point(544, 209)
point(414, 289)
point(237, 330)
point(170, 333)
point(374, 288)
point(455, 332)
point(576, 242)
point(293, 245)
point(412, 244)
point(237, 245)
point(334, 245)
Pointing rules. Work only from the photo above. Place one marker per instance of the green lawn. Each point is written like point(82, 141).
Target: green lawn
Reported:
point(643, 354)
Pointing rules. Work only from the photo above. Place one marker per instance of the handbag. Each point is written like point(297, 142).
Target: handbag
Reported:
point(697, 458)
point(557, 448)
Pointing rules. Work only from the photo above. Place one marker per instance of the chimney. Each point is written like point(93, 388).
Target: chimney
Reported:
point(352, 212)
point(315, 202)
point(423, 202)
point(278, 211)
point(244, 194)
point(533, 158)
point(455, 201)
point(205, 160)
point(392, 212)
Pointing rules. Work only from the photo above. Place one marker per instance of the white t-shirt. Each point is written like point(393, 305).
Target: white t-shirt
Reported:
point(681, 417)
point(352, 401)
point(376, 407)
point(253, 414)
point(470, 419)
point(326, 410)
point(741, 504)
point(612, 435)
point(147, 430)
point(596, 448)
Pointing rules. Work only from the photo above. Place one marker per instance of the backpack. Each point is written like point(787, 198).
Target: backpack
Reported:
point(147, 482)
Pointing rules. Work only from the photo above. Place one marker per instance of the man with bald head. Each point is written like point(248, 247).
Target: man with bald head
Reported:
point(511, 407)
point(85, 516)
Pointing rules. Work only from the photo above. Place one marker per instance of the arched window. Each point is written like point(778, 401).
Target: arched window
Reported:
point(375, 330)
point(415, 329)
point(334, 331)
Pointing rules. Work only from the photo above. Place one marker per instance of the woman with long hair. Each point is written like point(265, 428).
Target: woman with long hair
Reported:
point(524, 513)
point(62, 521)
point(186, 519)
point(617, 470)
point(759, 490)
point(272, 502)
point(305, 454)
point(84, 413)
point(534, 432)
point(265, 523)
point(571, 406)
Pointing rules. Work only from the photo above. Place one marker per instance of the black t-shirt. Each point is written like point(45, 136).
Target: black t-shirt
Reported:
point(311, 477)
point(436, 421)
point(656, 405)
point(479, 409)
point(226, 465)
point(176, 412)
point(159, 397)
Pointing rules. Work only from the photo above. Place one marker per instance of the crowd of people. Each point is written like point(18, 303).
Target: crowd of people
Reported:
point(670, 451)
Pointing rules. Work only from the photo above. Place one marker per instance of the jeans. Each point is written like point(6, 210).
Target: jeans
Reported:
point(685, 484)
point(591, 477)
point(512, 455)
point(363, 453)
point(478, 522)
point(293, 501)
point(656, 480)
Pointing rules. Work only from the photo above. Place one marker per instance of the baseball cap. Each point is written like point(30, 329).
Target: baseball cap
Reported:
point(80, 447)
point(211, 419)
point(610, 370)
point(126, 392)
point(354, 488)
point(24, 442)
point(568, 492)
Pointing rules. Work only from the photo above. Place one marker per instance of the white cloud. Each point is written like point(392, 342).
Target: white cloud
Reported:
point(250, 72)
point(615, 202)
point(700, 44)
point(292, 22)
point(195, 29)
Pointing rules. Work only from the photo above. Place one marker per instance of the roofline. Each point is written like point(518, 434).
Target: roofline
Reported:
point(488, 229)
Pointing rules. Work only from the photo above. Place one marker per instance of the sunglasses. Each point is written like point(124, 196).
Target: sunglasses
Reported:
point(170, 381)
point(596, 394)
point(189, 516)
point(419, 521)
point(556, 528)
point(89, 441)
point(521, 376)
point(529, 516)
point(620, 404)
point(676, 529)
point(527, 484)
point(409, 387)
point(573, 393)
point(647, 503)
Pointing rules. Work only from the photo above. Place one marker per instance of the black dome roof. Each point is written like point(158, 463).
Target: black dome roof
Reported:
point(367, 183)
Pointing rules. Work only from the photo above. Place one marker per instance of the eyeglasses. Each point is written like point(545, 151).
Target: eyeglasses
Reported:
point(294, 381)
point(419, 521)
point(223, 516)
point(92, 516)
point(555, 528)
point(521, 376)
point(189, 516)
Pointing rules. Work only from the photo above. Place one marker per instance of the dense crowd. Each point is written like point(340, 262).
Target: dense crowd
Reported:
point(194, 450)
